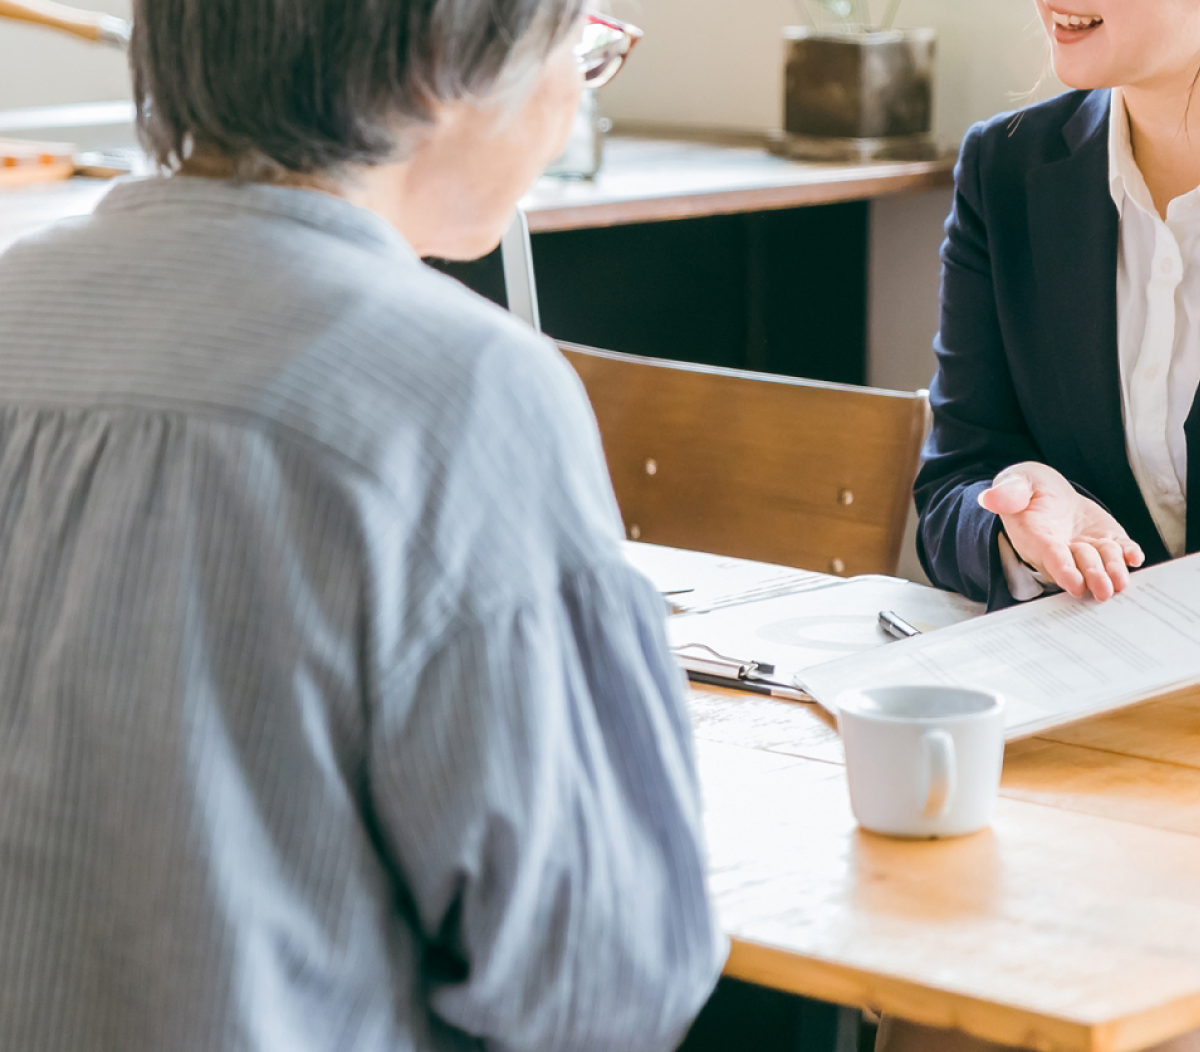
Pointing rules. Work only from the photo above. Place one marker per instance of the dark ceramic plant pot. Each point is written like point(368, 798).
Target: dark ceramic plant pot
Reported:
point(856, 96)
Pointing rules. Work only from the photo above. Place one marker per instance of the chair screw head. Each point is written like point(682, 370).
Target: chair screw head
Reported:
point(635, 531)
point(845, 496)
point(651, 467)
point(836, 565)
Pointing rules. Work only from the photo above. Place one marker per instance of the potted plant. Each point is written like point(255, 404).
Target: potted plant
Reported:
point(857, 89)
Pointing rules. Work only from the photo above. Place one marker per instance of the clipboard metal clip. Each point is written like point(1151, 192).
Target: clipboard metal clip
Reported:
point(723, 665)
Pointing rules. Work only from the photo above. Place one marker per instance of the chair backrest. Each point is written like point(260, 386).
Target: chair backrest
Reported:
point(799, 472)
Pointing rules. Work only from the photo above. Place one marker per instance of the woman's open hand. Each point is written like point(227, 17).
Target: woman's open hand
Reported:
point(1059, 532)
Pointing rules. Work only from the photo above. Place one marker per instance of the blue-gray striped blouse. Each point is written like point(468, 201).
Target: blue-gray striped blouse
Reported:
point(330, 715)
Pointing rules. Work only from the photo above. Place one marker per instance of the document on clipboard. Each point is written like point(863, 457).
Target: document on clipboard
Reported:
point(754, 626)
point(765, 645)
point(1056, 659)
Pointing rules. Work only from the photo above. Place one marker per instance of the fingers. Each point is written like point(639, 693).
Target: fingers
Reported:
point(1132, 553)
point(1091, 564)
point(1009, 494)
point(1098, 566)
point(1116, 570)
point(1059, 563)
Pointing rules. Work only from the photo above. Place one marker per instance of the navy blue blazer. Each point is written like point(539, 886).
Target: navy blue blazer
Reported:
point(1027, 347)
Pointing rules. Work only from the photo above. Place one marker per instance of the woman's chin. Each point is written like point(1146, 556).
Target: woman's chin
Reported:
point(1082, 81)
point(1080, 75)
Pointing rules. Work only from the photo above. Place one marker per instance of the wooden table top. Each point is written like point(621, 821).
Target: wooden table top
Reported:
point(642, 180)
point(1072, 924)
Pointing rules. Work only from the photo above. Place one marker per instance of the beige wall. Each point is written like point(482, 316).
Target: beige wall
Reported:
point(719, 63)
point(712, 63)
point(40, 67)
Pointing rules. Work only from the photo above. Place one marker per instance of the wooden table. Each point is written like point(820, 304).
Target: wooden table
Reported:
point(1072, 924)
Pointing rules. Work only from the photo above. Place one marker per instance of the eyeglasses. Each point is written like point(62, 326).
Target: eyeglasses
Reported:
point(602, 50)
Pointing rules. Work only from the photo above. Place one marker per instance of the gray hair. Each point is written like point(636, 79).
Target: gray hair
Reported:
point(313, 86)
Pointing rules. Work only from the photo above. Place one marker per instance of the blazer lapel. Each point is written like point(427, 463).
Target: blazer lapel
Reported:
point(1073, 230)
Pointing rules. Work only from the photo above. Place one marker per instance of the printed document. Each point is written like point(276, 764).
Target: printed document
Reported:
point(1055, 659)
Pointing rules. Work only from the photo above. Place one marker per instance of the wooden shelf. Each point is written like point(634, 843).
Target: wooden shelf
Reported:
point(647, 179)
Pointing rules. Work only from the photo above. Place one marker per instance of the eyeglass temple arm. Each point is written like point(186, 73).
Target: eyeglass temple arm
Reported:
point(89, 25)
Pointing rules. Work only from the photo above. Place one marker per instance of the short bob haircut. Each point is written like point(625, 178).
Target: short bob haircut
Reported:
point(311, 86)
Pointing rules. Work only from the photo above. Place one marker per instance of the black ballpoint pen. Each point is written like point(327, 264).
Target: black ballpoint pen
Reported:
point(896, 627)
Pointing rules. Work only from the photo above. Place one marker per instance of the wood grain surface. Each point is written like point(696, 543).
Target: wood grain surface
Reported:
point(648, 179)
point(645, 180)
point(1072, 924)
point(780, 470)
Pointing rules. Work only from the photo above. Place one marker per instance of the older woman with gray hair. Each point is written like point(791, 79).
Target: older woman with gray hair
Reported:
point(332, 716)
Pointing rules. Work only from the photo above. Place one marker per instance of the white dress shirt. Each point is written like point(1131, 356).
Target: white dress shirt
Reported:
point(1158, 340)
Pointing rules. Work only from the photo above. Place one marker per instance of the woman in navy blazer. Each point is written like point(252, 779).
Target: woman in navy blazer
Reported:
point(1043, 319)
point(1029, 437)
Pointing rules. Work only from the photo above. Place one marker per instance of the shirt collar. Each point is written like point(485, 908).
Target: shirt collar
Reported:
point(313, 207)
point(1125, 180)
point(1124, 177)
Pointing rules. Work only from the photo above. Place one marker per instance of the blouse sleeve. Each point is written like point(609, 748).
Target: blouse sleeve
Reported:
point(541, 804)
point(531, 766)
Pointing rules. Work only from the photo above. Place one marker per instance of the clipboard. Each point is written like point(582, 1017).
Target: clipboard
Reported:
point(765, 645)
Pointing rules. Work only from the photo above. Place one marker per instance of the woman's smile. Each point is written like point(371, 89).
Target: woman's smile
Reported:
point(1070, 27)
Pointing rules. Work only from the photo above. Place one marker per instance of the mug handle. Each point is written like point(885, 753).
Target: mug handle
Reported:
point(939, 753)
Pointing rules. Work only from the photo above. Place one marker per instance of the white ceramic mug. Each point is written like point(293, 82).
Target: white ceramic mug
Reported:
point(922, 761)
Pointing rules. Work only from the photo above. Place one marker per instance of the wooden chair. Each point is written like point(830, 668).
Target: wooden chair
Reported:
point(808, 474)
